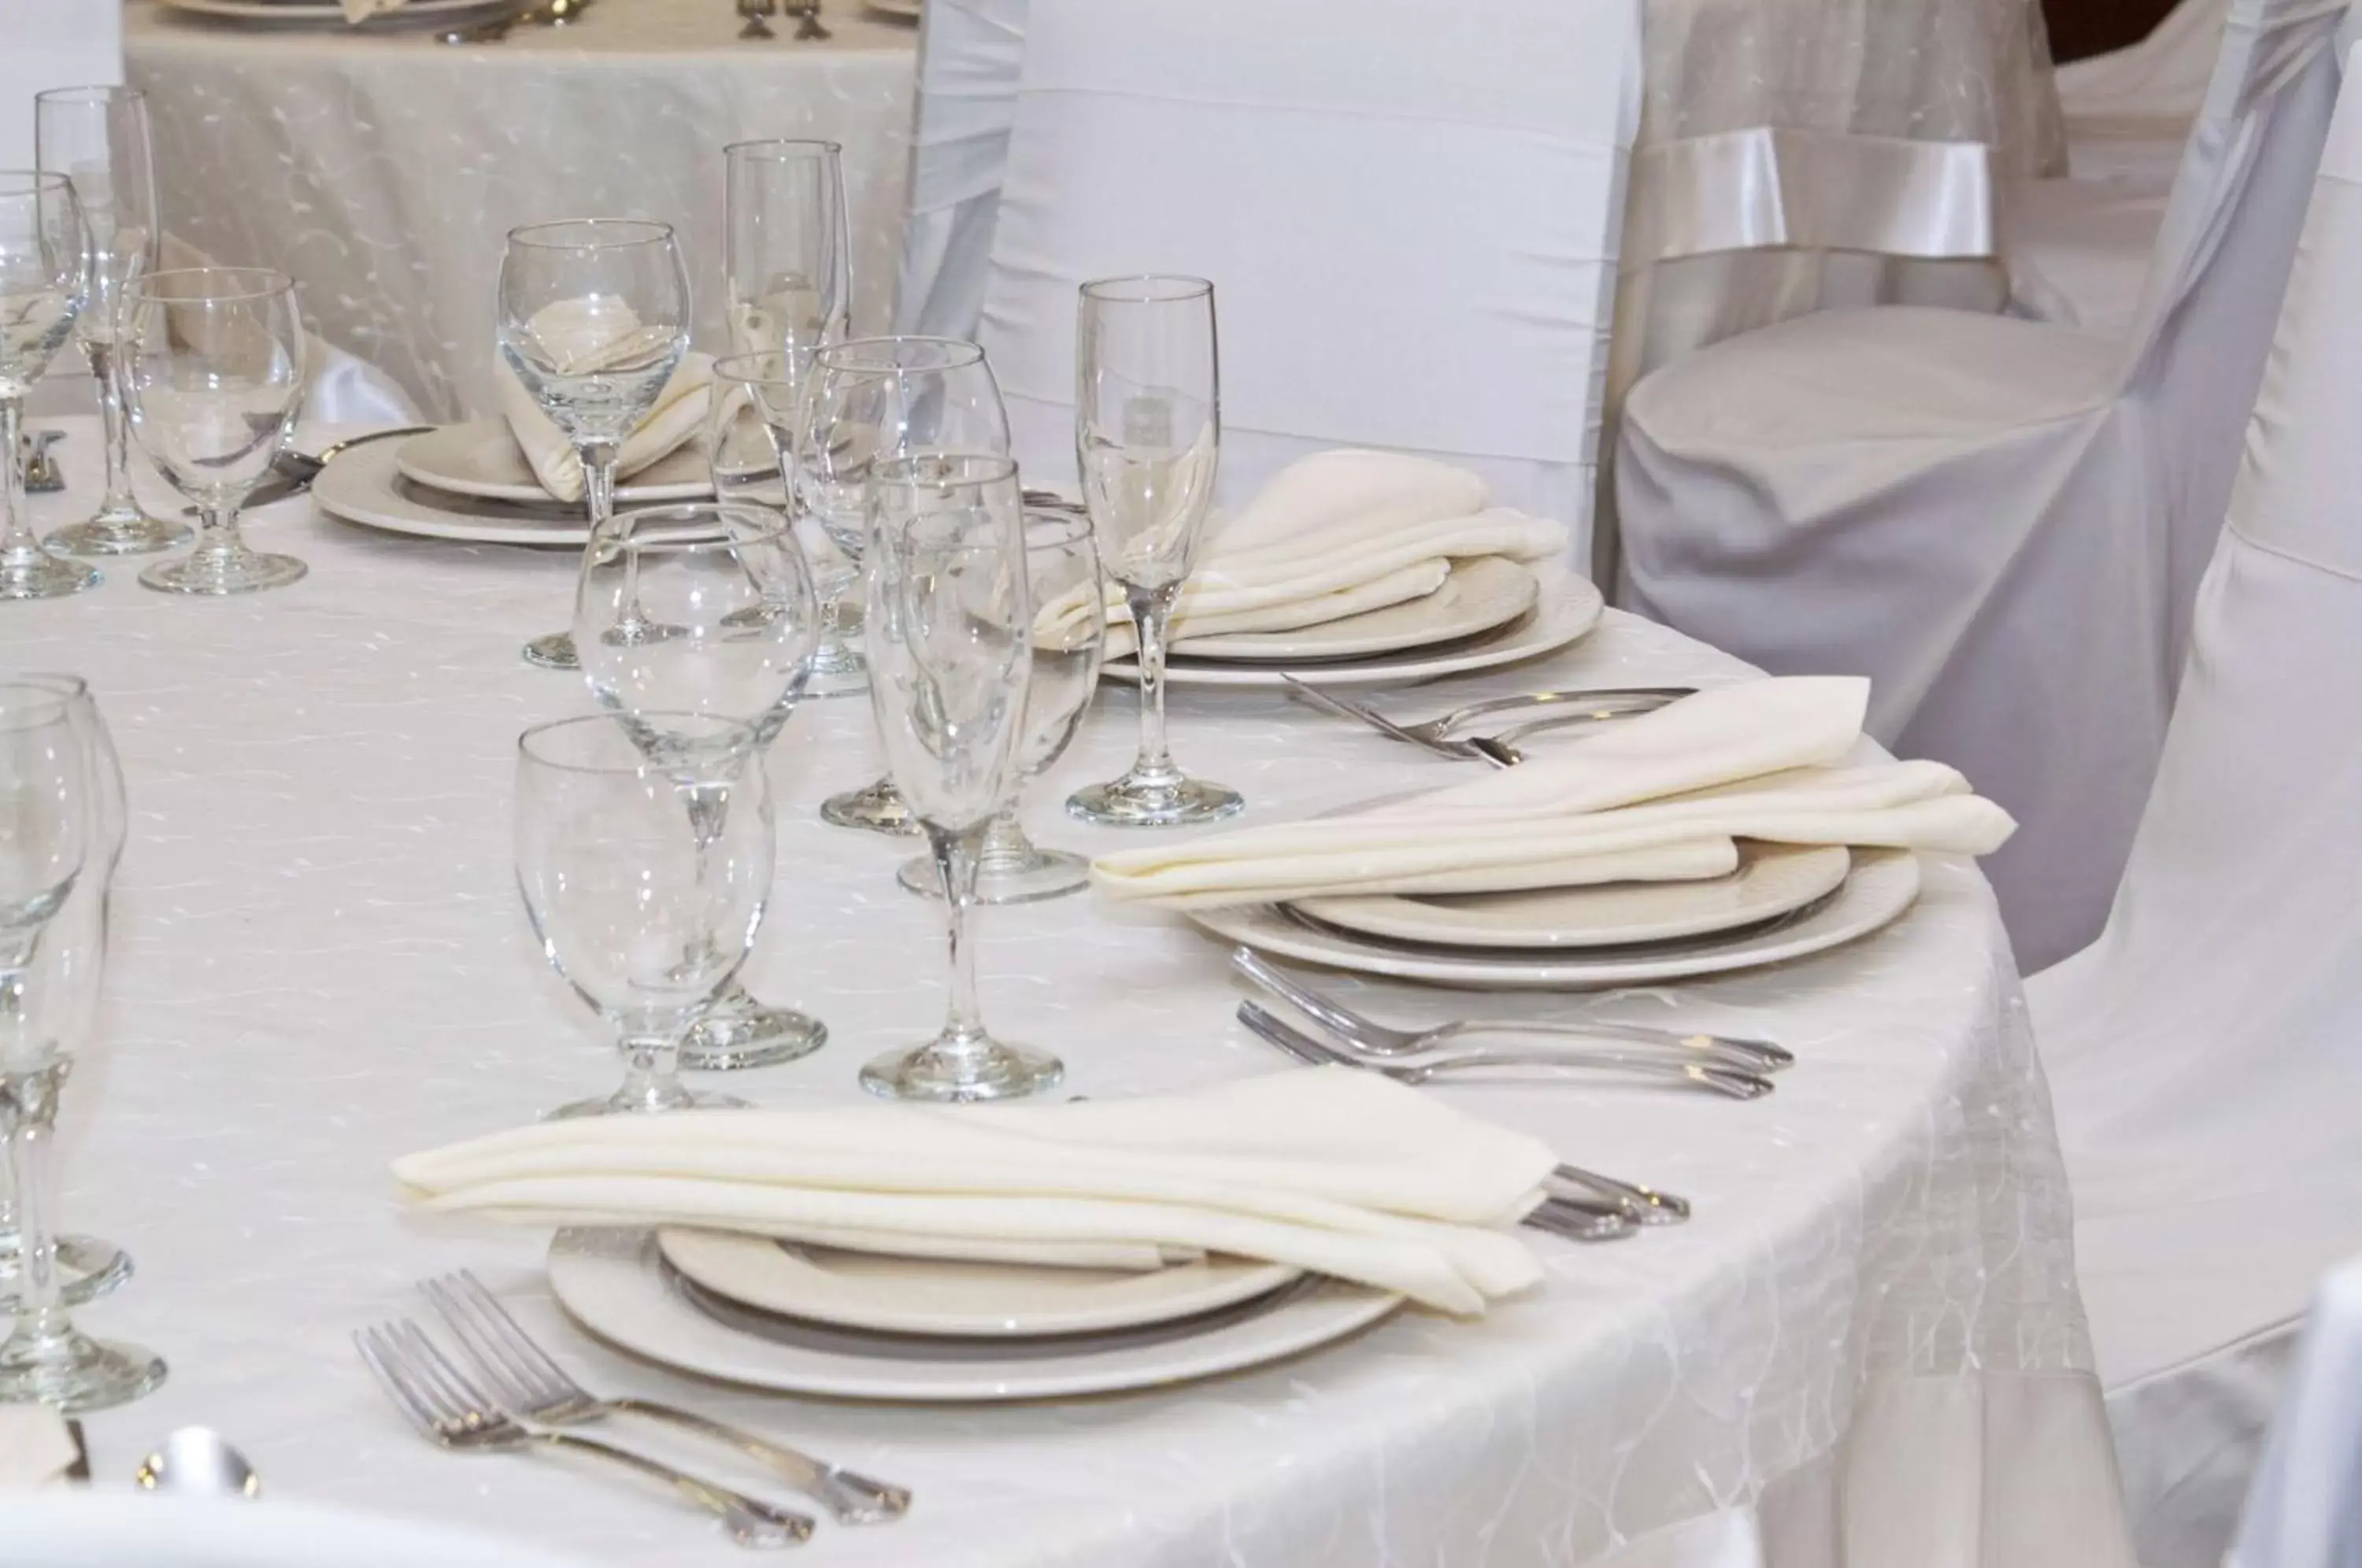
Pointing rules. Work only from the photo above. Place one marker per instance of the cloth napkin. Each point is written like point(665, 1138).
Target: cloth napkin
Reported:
point(35, 1447)
point(1659, 796)
point(1332, 534)
point(1329, 1169)
point(585, 336)
point(359, 11)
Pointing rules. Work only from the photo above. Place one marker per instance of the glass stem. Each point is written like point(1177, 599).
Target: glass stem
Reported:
point(955, 854)
point(652, 1072)
point(1006, 849)
point(16, 527)
point(217, 537)
point(28, 1110)
point(1152, 610)
point(599, 479)
point(119, 501)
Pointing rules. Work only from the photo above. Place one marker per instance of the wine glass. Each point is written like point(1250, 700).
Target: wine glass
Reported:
point(52, 817)
point(1062, 570)
point(645, 879)
point(594, 319)
point(950, 634)
point(211, 368)
point(44, 278)
point(99, 138)
point(867, 400)
point(790, 268)
point(1148, 432)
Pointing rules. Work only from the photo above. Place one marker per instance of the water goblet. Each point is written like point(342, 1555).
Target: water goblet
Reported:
point(99, 138)
point(1062, 570)
point(1148, 434)
point(645, 879)
point(44, 279)
point(949, 634)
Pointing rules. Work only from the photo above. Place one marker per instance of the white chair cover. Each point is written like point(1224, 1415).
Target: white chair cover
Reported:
point(2306, 1508)
point(2001, 523)
point(1411, 228)
point(2202, 1054)
point(51, 43)
point(970, 52)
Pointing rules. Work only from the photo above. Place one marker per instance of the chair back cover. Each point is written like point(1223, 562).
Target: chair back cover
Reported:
point(51, 43)
point(2306, 1508)
point(1409, 217)
point(969, 55)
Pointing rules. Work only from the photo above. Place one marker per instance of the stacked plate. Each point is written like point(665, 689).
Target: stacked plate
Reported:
point(470, 482)
point(439, 15)
point(811, 1319)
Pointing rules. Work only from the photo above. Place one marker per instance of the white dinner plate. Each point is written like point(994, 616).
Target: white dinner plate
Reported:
point(1477, 596)
point(362, 485)
point(615, 1284)
point(1567, 606)
point(938, 1296)
point(481, 458)
point(1881, 885)
point(1772, 880)
point(327, 13)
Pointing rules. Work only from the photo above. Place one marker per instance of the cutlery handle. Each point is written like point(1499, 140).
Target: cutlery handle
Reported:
point(1749, 1055)
point(752, 1521)
point(854, 1499)
point(1579, 1221)
point(1730, 1081)
point(1633, 700)
point(1651, 1207)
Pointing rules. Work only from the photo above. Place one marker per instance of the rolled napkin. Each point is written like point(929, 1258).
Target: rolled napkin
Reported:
point(1658, 798)
point(1332, 534)
point(1327, 1169)
point(583, 337)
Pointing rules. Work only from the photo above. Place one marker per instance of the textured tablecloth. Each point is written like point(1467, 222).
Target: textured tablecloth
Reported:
point(322, 963)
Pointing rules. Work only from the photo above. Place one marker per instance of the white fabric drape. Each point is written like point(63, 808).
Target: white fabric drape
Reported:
point(970, 52)
point(46, 44)
point(2305, 1509)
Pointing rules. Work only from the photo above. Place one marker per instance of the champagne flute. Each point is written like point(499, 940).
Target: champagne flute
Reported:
point(868, 400)
point(594, 319)
point(1148, 432)
point(98, 137)
point(212, 368)
point(1062, 570)
point(949, 634)
point(44, 278)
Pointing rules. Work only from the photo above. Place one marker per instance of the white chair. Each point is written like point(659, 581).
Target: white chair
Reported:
point(51, 43)
point(1410, 224)
point(2205, 1053)
point(970, 52)
point(2304, 1509)
point(2002, 523)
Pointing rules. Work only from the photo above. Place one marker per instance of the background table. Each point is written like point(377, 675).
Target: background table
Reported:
point(321, 963)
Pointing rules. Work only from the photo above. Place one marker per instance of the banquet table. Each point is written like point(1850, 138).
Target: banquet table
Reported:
point(321, 963)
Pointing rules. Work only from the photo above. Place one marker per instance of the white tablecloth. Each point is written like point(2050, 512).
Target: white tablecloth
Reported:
point(322, 963)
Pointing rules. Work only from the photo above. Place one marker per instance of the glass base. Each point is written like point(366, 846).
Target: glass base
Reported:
point(29, 573)
point(215, 572)
point(875, 808)
point(87, 1269)
point(132, 533)
point(837, 671)
point(554, 651)
point(1176, 800)
point(1029, 878)
point(737, 1032)
point(946, 1073)
point(634, 1101)
point(77, 1373)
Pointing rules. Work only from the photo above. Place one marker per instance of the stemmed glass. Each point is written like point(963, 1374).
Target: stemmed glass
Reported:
point(709, 610)
point(869, 400)
point(99, 138)
point(50, 834)
point(950, 634)
point(594, 319)
point(212, 371)
point(1148, 432)
point(43, 281)
point(645, 879)
point(1062, 567)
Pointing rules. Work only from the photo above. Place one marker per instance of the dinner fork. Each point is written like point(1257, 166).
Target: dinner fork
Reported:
point(530, 1383)
point(452, 1413)
point(41, 475)
point(1581, 707)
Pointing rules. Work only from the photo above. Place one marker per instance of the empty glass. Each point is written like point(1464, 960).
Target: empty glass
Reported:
point(594, 319)
point(212, 369)
point(1062, 570)
point(43, 281)
point(949, 634)
point(789, 269)
point(645, 880)
point(99, 138)
point(1148, 431)
point(869, 400)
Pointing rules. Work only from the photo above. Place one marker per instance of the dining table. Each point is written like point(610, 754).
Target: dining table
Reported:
point(1868, 1334)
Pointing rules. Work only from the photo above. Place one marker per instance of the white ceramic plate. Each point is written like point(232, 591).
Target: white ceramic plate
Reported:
point(302, 14)
point(933, 1295)
point(615, 1284)
point(481, 458)
point(362, 485)
point(1478, 596)
point(899, 10)
point(1772, 880)
point(1567, 607)
point(1882, 885)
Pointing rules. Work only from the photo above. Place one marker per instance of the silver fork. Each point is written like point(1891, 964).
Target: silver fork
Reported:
point(452, 1413)
point(530, 1383)
point(41, 475)
point(1582, 707)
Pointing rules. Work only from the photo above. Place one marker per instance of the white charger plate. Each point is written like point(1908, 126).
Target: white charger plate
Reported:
point(1772, 880)
point(362, 485)
point(613, 1284)
point(1882, 884)
point(418, 14)
point(1476, 596)
point(937, 1296)
point(481, 458)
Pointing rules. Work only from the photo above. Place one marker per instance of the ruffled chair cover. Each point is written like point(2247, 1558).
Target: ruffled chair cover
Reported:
point(970, 52)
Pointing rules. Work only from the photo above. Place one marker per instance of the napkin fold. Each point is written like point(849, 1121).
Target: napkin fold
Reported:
point(1327, 1169)
point(1659, 796)
point(35, 1447)
point(359, 11)
point(585, 336)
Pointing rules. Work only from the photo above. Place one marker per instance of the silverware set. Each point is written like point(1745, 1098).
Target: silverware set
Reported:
point(757, 14)
point(1558, 710)
point(41, 475)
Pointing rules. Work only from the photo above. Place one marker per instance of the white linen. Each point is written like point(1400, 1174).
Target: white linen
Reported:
point(2000, 522)
point(35, 1448)
point(583, 340)
point(2193, 1046)
point(2305, 1509)
point(122, 1529)
point(51, 43)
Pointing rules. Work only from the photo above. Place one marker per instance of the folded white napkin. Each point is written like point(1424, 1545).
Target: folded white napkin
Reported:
point(1327, 1169)
point(582, 335)
point(1332, 534)
point(1659, 796)
point(35, 1447)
